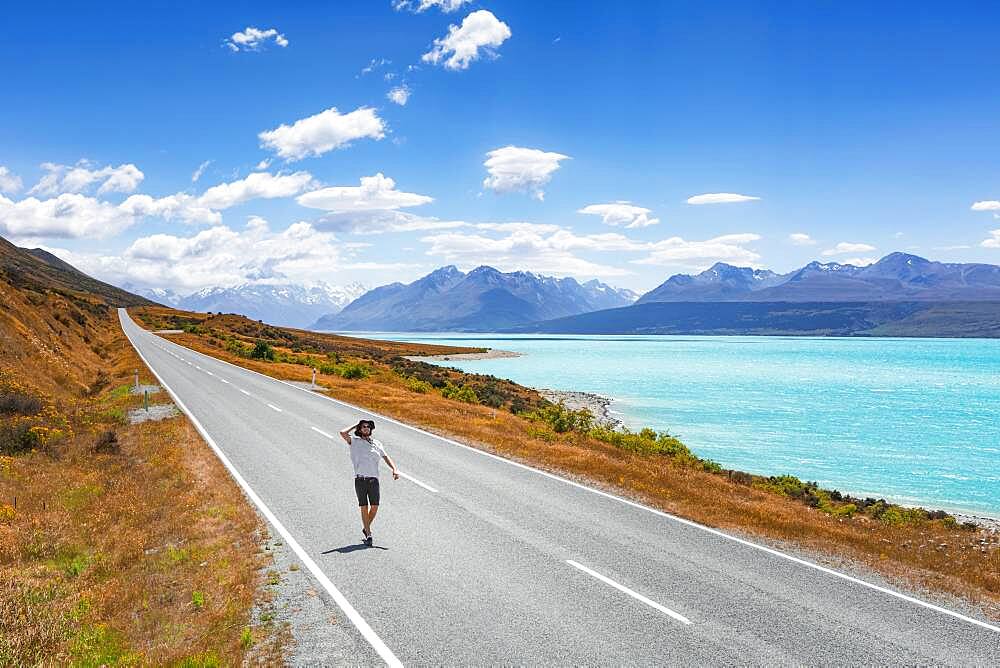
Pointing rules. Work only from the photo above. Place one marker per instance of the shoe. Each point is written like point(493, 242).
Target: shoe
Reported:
point(368, 541)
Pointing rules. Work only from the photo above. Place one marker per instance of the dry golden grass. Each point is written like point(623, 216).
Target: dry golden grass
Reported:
point(141, 552)
point(931, 554)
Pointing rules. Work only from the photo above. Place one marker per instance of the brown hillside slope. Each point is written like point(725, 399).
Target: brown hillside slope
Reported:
point(118, 543)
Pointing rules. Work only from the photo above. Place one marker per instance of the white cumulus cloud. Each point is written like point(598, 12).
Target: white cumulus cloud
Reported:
point(986, 205)
point(845, 247)
point(81, 177)
point(400, 95)
point(253, 39)
point(515, 168)
point(720, 198)
point(993, 241)
point(179, 206)
point(68, 216)
point(376, 193)
point(801, 239)
point(480, 32)
point(621, 213)
point(9, 182)
point(258, 185)
point(218, 256)
point(324, 132)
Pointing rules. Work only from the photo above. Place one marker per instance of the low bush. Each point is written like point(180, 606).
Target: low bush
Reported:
point(13, 402)
point(262, 350)
point(418, 386)
point(459, 393)
point(107, 442)
point(354, 371)
point(17, 437)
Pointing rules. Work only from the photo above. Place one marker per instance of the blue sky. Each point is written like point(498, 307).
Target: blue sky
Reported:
point(866, 129)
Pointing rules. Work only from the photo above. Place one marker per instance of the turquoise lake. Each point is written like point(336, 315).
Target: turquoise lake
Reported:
point(912, 420)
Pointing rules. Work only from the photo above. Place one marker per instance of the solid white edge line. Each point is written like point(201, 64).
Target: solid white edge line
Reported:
point(366, 631)
point(320, 431)
point(273, 407)
point(634, 504)
point(620, 587)
point(414, 480)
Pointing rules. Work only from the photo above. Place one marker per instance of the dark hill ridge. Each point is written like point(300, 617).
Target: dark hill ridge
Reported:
point(980, 319)
point(896, 277)
point(40, 271)
point(482, 300)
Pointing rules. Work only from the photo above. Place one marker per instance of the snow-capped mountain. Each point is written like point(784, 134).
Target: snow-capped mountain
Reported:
point(481, 300)
point(289, 305)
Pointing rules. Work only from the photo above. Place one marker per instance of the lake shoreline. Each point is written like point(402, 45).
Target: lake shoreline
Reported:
point(599, 406)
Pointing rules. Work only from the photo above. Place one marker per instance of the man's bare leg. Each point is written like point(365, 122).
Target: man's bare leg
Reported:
point(365, 520)
point(371, 516)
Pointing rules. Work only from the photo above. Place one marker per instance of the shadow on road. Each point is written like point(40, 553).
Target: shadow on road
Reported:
point(353, 547)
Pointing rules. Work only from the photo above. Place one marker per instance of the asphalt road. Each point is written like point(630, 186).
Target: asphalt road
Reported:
point(479, 560)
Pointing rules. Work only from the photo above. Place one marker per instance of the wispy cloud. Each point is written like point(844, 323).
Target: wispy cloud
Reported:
point(801, 239)
point(375, 193)
point(417, 6)
point(621, 213)
point(720, 198)
point(201, 170)
point(847, 247)
point(9, 182)
point(400, 95)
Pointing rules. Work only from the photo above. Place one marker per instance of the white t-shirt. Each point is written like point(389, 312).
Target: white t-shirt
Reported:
point(365, 455)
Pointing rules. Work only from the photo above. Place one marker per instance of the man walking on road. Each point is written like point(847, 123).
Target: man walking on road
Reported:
point(365, 455)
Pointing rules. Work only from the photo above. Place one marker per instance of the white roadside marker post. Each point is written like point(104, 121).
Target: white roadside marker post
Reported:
point(314, 379)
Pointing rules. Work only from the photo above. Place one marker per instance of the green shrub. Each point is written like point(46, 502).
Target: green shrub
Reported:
point(562, 419)
point(16, 438)
point(262, 350)
point(459, 393)
point(353, 371)
point(198, 599)
point(418, 386)
point(237, 348)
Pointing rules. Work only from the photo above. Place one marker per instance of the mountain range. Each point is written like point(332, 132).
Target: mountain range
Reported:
point(483, 299)
point(286, 305)
point(896, 277)
point(900, 295)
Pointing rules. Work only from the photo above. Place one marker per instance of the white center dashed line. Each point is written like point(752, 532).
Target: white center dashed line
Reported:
point(224, 381)
point(244, 391)
point(320, 431)
point(414, 480)
point(622, 588)
point(273, 407)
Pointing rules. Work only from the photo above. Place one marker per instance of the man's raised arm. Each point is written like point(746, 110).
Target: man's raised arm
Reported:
point(346, 433)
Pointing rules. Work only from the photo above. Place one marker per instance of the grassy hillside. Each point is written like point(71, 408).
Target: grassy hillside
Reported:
point(118, 543)
point(915, 547)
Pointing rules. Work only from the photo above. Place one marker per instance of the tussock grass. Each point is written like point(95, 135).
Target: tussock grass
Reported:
point(93, 511)
point(909, 546)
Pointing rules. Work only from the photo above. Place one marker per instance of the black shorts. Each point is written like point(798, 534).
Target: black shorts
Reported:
point(367, 490)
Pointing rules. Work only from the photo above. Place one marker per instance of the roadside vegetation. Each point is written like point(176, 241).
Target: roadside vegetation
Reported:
point(119, 544)
point(912, 546)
